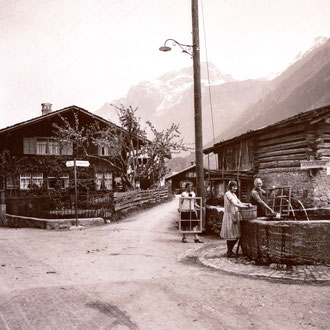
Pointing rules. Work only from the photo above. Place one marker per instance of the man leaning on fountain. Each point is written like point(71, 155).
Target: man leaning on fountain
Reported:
point(257, 198)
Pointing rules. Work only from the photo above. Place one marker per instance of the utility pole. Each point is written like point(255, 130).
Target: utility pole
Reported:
point(200, 191)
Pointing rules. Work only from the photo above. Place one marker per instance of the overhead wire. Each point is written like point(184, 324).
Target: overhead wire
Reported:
point(208, 78)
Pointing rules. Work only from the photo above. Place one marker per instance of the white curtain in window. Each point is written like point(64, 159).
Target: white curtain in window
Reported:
point(65, 181)
point(54, 147)
point(37, 179)
point(25, 180)
point(98, 180)
point(108, 181)
point(42, 146)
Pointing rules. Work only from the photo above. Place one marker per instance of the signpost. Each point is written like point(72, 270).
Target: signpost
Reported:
point(81, 163)
point(74, 163)
point(310, 164)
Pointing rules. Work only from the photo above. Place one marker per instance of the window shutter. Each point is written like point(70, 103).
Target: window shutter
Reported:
point(29, 146)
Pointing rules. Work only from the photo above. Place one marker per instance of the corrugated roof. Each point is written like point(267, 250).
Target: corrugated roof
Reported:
point(311, 115)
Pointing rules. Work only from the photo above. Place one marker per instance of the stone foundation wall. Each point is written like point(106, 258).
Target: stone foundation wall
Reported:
point(288, 242)
point(321, 182)
point(311, 187)
point(213, 220)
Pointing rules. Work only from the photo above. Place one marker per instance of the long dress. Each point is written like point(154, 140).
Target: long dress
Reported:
point(229, 229)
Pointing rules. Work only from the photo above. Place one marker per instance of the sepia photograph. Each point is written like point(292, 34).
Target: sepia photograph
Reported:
point(165, 165)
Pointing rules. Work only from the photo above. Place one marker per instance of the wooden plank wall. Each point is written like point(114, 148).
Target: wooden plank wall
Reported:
point(237, 155)
point(278, 149)
point(283, 148)
point(322, 141)
point(130, 199)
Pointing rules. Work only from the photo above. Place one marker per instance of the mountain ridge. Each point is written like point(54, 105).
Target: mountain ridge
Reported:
point(237, 106)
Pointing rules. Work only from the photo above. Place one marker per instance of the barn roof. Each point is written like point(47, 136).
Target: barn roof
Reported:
point(311, 116)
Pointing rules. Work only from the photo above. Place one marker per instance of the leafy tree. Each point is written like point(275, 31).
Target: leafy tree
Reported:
point(161, 147)
point(129, 151)
point(122, 143)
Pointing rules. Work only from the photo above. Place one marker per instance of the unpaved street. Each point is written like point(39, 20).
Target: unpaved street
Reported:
point(129, 275)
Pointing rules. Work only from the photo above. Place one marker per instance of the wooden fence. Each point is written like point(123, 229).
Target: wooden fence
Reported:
point(88, 206)
point(136, 198)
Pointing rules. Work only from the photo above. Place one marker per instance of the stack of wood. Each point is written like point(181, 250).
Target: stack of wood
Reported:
point(213, 219)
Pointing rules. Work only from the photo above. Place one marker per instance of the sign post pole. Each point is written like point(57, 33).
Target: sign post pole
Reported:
point(75, 191)
point(74, 163)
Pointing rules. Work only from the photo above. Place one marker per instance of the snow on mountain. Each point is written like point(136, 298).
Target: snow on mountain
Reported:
point(169, 99)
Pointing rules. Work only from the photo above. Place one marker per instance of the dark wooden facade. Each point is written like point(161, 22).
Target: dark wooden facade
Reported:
point(291, 152)
point(33, 142)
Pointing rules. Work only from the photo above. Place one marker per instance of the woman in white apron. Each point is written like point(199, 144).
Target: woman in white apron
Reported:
point(231, 229)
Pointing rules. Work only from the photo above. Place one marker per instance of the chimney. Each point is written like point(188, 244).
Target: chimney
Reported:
point(46, 108)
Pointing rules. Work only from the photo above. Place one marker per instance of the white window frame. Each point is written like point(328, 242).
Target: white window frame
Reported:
point(27, 179)
point(103, 179)
point(107, 179)
point(37, 179)
point(103, 150)
point(42, 146)
point(53, 147)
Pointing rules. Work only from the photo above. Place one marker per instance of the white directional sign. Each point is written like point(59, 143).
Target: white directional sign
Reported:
point(310, 164)
point(81, 163)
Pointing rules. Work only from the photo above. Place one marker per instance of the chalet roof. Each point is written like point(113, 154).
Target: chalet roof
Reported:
point(56, 113)
point(180, 172)
point(192, 167)
point(311, 116)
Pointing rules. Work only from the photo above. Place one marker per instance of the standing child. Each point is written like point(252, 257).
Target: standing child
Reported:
point(189, 212)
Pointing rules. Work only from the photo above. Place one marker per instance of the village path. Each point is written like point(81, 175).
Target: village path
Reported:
point(132, 275)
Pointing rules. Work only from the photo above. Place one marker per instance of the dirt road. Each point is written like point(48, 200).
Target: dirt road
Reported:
point(127, 276)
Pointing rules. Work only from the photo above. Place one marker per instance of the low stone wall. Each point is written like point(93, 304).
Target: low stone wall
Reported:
point(213, 219)
point(15, 221)
point(311, 188)
point(286, 242)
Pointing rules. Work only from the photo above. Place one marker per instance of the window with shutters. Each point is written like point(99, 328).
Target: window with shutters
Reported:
point(29, 146)
point(46, 146)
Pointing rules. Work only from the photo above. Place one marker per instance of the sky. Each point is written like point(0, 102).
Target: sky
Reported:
point(88, 52)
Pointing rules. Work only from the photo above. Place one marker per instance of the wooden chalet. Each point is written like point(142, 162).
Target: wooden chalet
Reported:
point(179, 179)
point(293, 152)
point(33, 147)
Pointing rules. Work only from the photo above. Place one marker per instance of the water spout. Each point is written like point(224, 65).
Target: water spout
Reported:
point(303, 207)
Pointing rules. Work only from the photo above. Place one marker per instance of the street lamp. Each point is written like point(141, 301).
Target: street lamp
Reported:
point(197, 95)
point(185, 48)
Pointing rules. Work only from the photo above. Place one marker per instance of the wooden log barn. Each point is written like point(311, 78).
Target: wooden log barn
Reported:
point(293, 152)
